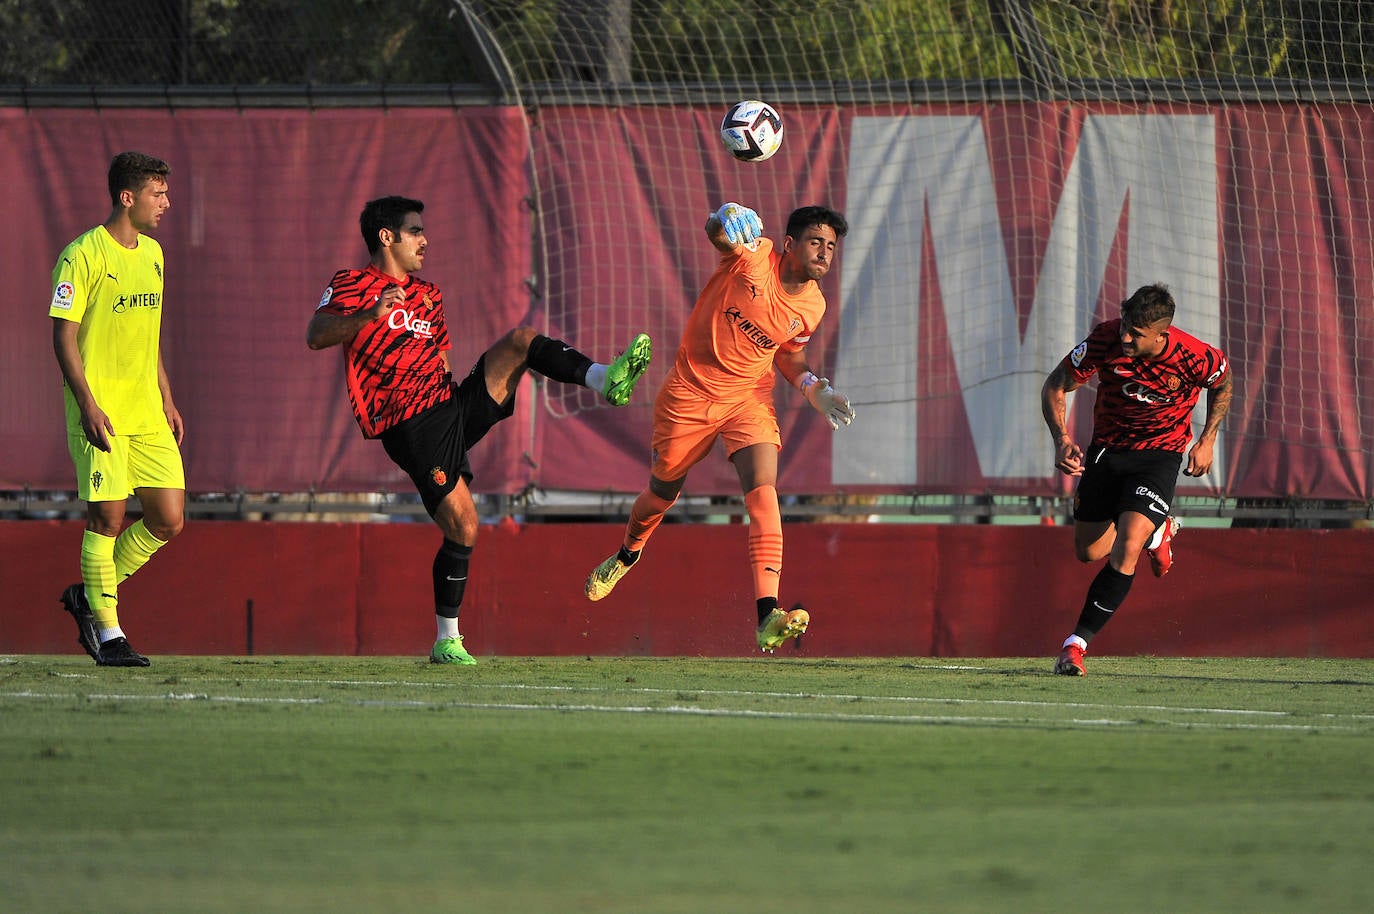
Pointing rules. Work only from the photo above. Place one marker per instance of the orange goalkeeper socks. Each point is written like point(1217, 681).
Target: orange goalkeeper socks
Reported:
point(765, 540)
point(645, 516)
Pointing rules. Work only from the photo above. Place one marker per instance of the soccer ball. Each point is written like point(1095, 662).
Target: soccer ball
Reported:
point(752, 130)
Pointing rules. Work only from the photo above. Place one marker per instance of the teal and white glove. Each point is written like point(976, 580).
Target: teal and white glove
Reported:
point(742, 225)
point(826, 400)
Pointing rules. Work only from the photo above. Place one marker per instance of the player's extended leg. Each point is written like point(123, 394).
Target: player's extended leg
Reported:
point(757, 467)
point(645, 516)
point(683, 435)
point(525, 348)
point(456, 517)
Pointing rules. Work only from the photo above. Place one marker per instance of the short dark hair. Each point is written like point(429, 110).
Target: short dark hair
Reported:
point(807, 216)
point(132, 170)
point(385, 213)
point(1147, 305)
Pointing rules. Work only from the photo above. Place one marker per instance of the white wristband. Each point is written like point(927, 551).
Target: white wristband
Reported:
point(805, 379)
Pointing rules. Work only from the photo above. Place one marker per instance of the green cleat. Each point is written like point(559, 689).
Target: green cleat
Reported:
point(603, 579)
point(623, 373)
point(450, 650)
point(779, 626)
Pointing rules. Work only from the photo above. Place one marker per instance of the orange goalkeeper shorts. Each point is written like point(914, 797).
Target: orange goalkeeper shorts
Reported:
point(687, 424)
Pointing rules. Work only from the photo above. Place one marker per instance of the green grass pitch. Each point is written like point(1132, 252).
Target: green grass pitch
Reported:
point(778, 784)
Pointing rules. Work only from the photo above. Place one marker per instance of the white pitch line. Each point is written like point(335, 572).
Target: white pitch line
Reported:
point(819, 696)
point(928, 719)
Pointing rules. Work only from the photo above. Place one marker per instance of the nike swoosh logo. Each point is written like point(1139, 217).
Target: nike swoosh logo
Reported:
point(451, 578)
point(1157, 509)
point(109, 596)
point(1101, 607)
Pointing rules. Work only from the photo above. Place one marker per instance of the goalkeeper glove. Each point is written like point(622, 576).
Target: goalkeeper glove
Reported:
point(826, 400)
point(742, 225)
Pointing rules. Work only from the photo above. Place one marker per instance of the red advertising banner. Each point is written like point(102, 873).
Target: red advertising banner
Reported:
point(985, 241)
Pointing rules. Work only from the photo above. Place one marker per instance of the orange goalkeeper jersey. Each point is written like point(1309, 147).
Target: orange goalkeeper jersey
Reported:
point(740, 320)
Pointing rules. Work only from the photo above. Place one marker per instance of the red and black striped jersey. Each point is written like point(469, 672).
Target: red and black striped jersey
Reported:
point(1145, 403)
point(393, 367)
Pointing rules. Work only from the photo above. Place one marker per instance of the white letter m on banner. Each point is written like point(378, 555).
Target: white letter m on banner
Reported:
point(905, 171)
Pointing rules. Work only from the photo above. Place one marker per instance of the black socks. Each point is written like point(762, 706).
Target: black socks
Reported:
point(1107, 592)
point(558, 361)
point(450, 578)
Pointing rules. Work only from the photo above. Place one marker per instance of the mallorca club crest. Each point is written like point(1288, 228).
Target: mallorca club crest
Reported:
point(439, 476)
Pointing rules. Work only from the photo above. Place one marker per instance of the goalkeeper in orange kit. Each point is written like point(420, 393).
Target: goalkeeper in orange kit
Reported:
point(756, 314)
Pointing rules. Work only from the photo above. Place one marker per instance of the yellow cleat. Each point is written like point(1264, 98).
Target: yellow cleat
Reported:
point(603, 579)
point(779, 626)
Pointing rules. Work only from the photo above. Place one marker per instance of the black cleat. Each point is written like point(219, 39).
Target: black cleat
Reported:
point(74, 601)
point(118, 652)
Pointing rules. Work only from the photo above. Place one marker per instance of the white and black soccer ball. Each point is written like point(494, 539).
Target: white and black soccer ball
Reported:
point(752, 130)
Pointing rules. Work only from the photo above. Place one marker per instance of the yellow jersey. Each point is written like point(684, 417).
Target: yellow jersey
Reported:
point(115, 294)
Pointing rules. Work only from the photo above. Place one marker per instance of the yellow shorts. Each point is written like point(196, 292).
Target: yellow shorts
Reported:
point(151, 461)
point(686, 426)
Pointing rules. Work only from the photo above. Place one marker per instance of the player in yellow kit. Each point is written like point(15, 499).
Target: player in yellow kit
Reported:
point(123, 429)
point(755, 315)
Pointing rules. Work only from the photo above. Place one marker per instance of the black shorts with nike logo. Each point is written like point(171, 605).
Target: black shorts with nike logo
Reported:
point(1115, 481)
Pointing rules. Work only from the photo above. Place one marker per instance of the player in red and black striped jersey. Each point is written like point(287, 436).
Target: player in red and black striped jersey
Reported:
point(1149, 377)
point(397, 367)
point(400, 385)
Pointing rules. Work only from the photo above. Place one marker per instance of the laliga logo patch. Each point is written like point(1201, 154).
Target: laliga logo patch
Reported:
point(1078, 352)
point(439, 476)
point(62, 296)
point(324, 299)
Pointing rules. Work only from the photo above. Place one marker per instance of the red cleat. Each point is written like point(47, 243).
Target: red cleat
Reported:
point(1162, 557)
point(1070, 662)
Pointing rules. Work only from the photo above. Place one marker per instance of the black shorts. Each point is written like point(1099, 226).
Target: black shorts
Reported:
point(432, 447)
point(1115, 481)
